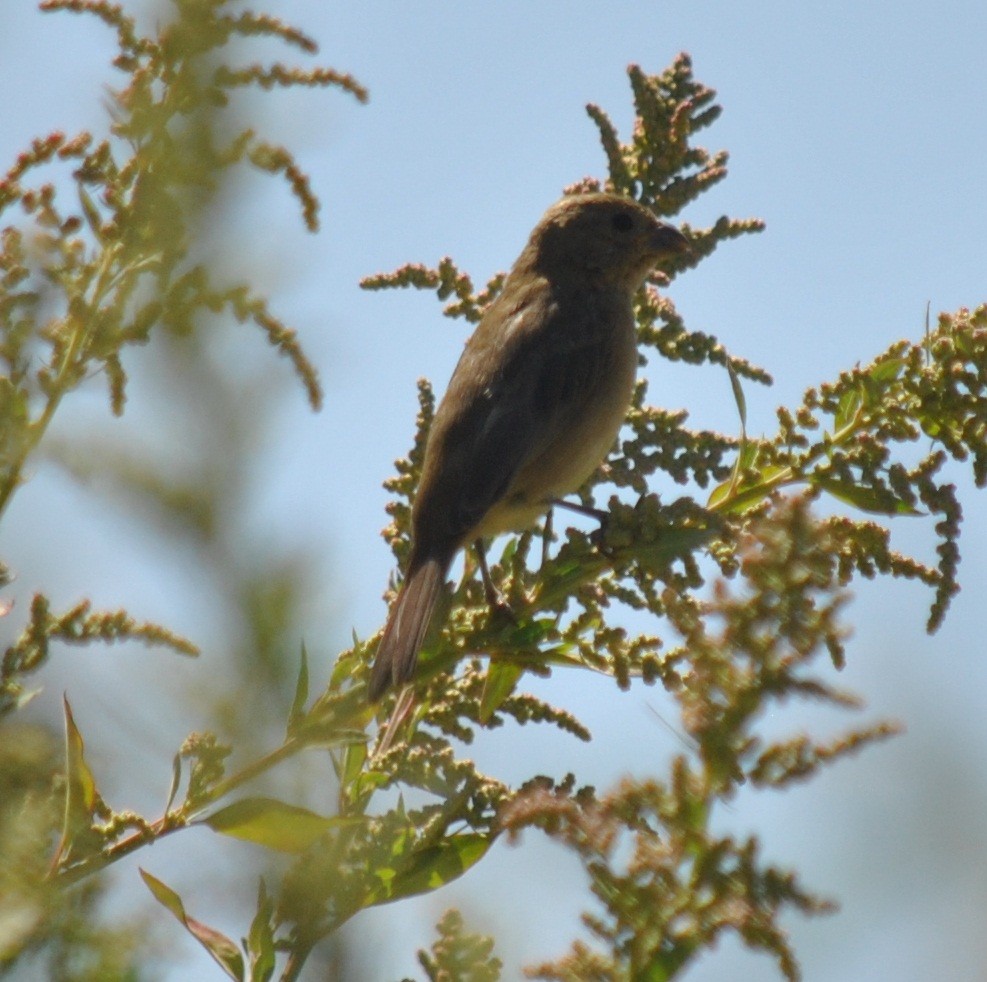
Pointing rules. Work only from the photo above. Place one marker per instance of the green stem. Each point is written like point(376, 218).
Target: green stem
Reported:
point(173, 821)
point(789, 475)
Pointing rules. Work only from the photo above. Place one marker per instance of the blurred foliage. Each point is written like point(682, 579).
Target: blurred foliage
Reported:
point(128, 262)
point(458, 956)
point(745, 583)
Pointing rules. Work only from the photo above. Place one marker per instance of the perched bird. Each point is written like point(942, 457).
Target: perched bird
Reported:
point(535, 402)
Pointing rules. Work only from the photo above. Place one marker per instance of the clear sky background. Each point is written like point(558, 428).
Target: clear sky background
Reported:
point(856, 130)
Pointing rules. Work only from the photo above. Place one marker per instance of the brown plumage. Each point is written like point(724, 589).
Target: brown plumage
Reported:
point(534, 403)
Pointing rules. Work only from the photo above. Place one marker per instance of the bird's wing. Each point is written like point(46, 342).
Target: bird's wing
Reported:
point(496, 416)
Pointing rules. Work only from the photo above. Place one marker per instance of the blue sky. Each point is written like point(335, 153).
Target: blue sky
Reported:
point(856, 130)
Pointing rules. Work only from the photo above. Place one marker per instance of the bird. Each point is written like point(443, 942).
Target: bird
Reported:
point(535, 402)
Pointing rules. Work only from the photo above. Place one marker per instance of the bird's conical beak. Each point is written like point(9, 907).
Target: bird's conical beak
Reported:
point(668, 239)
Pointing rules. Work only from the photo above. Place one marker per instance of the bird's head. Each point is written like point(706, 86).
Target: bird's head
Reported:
point(605, 237)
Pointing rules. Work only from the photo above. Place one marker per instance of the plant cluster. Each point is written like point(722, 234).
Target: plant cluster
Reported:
point(741, 580)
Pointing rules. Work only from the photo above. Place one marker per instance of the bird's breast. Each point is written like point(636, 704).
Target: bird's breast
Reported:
point(584, 395)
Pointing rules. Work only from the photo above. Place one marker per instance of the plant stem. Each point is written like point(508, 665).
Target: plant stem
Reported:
point(173, 821)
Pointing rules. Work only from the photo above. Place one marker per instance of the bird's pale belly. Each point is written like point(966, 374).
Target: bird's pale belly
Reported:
point(567, 462)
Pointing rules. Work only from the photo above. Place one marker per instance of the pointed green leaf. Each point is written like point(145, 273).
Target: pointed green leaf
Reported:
point(176, 779)
point(502, 677)
point(80, 780)
point(750, 451)
point(431, 868)
point(864, 498)
point(738, 396)
point(566, 655)
point(849, 406)
point(887, 370)
point(510, 548)
point(260, 941)
point(92, 214)
point(529, 633)
point(720, 494)
point(82, 800)
point(272, 823)
point(354, 757)
point(559, 577)
point(297, 711)
point(222, 949)
point(731, 497)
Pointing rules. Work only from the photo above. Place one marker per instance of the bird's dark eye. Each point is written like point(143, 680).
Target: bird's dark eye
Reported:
point(622, 222)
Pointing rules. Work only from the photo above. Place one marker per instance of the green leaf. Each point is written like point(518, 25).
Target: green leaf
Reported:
point(431, 868)
point(510, 548)
point(354, 757)
point(749, 453)
point(565, 655)
point(176, 777)
point(82, 800)
point(91, 213)
point(672, 543)
point(297, 711)
point(865, 498)
point(272, 823)
point(731, 497)
point(529, 633)
point(502, 677)
point(260, 940)
point(720, 494)
point(738, 396)
point(849, 406)
point(81, 783)
point(560, 577)
point(887, 370)
point(222, 949)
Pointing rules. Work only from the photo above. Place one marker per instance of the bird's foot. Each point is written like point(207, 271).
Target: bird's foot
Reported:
point(598, 536)
point(501, 612)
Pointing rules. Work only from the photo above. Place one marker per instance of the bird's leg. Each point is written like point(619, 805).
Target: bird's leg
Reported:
point(577, 506)
point(494, 598)
point(597, 536)
point(546, 536)
point(497, 604)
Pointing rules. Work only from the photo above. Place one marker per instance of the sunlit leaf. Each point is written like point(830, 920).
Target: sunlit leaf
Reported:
point(81, 783)
point(887, 370)
point(260, 940)
point(749, 454)
point(431, 868)
point(730, 497)
point(82, 800)
point(510, 548)
point(272, 823)
point(561, 576)
point(354, 757)
point(864, 498)
point(848, 408)
point(222, 949)
point(738, 395)
point(502, 677)
point(720, 494)
point(530, 632)
point(297, 711)
point(176, 777)
point(92, 214)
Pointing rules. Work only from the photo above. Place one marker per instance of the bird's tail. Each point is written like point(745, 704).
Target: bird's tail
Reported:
point(404, 633)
